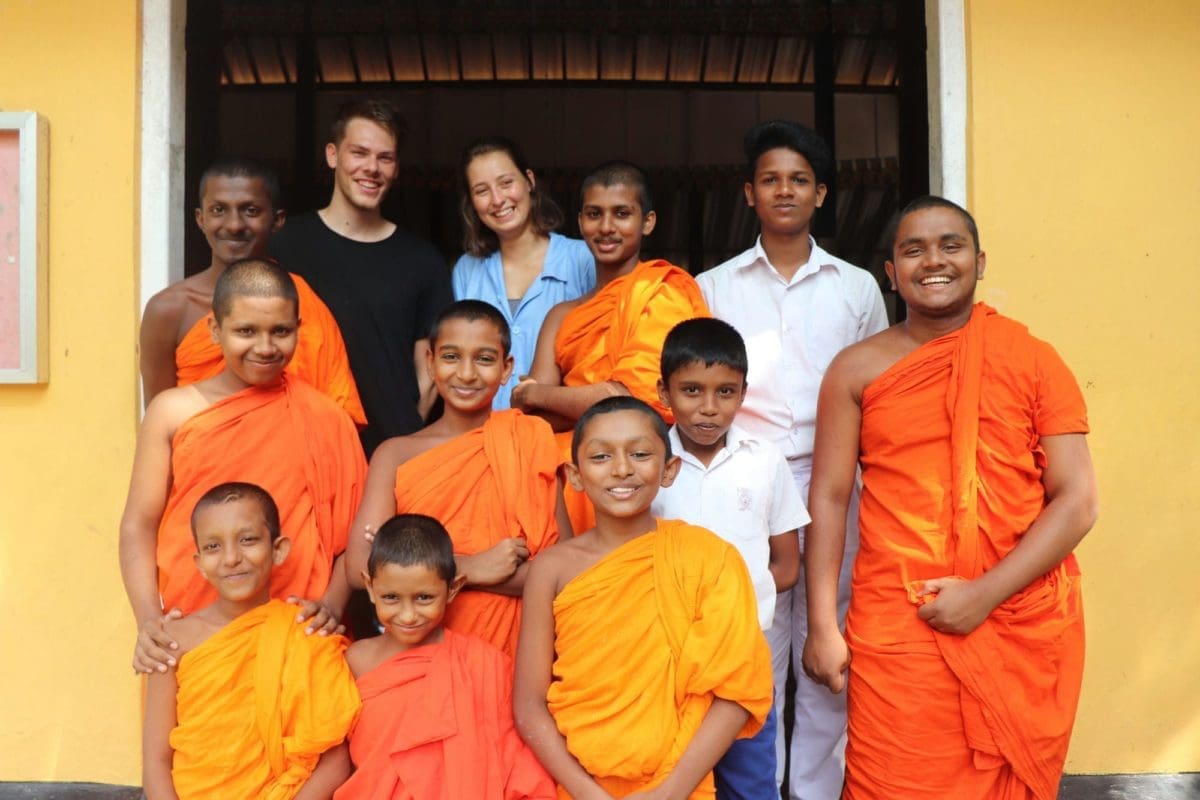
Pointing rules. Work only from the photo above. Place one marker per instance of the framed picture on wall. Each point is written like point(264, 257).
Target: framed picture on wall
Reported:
point(23, 211)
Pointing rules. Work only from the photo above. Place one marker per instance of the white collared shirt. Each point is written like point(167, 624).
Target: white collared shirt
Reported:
point(792, 329)
point(745, 496)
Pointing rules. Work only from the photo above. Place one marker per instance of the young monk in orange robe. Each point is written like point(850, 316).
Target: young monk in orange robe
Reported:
point(609, 342)
point(238, 212)
point(491, 477)
point(641, 658)
point(256, 708)
point(437, 705)
point(251, 422)
point(965, 622)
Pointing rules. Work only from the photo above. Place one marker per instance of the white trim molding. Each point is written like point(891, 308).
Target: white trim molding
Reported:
point(946, 67)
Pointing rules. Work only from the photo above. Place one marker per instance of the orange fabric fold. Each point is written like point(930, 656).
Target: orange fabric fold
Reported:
point(437, 724)
point(676, 609)
point(618, 335)
point(289, 439)
point(951, 481)
point(320, 356)
point(257, 705)
point(495, 482)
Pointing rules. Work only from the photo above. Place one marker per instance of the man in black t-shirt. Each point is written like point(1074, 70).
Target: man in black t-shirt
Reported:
point(383, 285)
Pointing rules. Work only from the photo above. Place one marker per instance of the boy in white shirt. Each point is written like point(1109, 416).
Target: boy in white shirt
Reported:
point(738, 486)
point(797, 306)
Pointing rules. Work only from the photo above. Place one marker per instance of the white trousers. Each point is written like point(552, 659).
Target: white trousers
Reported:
point(817, 756)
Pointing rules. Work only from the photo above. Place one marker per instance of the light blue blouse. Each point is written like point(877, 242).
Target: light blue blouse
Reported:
point(568, 272)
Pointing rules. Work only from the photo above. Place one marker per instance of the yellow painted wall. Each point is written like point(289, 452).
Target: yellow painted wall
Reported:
point(1085, 178)
point(68, 699)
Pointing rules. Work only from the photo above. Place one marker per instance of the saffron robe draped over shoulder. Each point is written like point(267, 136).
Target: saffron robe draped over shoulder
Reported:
point(618, 335)
point(257, 705)
point(495, 482)
point(320, 356)
point(292, 441)
point(645, 639)
point(951, 468)
point(437, 724)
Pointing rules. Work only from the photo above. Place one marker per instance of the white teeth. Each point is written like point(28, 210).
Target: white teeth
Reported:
point(934, 279)
point(621, 491)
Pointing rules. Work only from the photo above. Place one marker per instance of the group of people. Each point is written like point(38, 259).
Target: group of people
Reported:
point(584, 529)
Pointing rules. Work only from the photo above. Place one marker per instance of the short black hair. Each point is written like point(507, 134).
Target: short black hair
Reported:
point(373, 109)
point(620, 173)
point(470, 311)
point(234, 491)
point(413, 540)
point(252, 277)
point(778, 133)
point(704, 340)
point(610, 405)
point(240, 167)
point(933, 201)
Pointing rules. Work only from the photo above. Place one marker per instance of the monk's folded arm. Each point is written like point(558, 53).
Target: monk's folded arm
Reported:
point(513, 586)
point(713, 738)
point(377, 507)
point(331, 771)
point(571, 401)
point(1070, 512)
point(156, 346)
point(156, 732)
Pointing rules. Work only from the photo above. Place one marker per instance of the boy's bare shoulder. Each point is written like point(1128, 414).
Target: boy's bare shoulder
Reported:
point(863, 362)
point(191, 631)
point(172, 407)
point(556, 314)
point(182, 302)
point(567, 558)
point(397, 450)
point(365, 655)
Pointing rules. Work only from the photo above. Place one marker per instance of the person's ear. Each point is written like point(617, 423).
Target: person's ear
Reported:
point(749, 191)
point(573, 477)
point(890, 269)
point(199, 217)
point(532, 180)
point(670, 471)
point(196, 561)
point(648, 223)
point(331, 155)
point(980, 264)
point(822, 191)
point(456, 585)
point(279, 217)
point(509, 363)
point(366, 579)
point(283, 546)
point(214, 329)
point(663, 397)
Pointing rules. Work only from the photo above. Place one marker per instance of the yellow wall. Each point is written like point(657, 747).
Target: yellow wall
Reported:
point(1083, 173)
point(69, 699)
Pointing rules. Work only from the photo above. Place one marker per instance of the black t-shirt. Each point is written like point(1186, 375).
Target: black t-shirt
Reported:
point(384, 296)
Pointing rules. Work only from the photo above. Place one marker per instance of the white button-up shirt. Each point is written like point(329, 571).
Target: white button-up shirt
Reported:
point(792, 329)
point(745, 496)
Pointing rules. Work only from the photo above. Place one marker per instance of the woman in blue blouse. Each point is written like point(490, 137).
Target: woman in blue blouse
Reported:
point(514, 259)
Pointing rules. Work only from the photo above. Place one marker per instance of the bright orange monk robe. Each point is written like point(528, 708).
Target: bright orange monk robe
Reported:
point(320, 356)
point(257, 705)
point(952, 472)
point(618, 335)
point(437, 724)
point(289, 439)
point(495, 482)
point(645, 639)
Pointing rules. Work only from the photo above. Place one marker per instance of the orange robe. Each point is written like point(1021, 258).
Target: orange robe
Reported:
point(495, 482)
point(951, 475)
point(320, 356)
point(257, 705)
point(289, 439)
point(618, 335)
point(437, 723)
point(645, 639)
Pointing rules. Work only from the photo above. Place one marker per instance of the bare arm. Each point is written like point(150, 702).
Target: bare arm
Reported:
point(535, 657)
point(713, 738)
point(331, 771)
point(1070, 511)
point(565, 402)
point(835, 461)
point(156, 344)
point(426, 391)
point(785, 560)
point(157, 754)
point(377, 507)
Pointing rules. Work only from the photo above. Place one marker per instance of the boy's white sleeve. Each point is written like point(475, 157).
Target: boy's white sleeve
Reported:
point(787, 507)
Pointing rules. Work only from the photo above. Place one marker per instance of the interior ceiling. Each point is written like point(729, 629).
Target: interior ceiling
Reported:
point(764, 44)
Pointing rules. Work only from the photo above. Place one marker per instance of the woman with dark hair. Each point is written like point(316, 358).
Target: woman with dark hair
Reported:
point(514, 259)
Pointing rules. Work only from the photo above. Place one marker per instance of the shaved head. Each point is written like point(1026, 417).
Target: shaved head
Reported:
point(252, 277)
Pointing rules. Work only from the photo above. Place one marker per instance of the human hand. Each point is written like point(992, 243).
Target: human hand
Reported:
point(369, 532)
point(152, 651)
point(521, 394)
point(826, 658)
point(498, 563)
point(322, 619)
point(957, 606)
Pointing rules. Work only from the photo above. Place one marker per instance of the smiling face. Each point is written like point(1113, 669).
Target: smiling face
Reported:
point(621, 464)
point(704, 400)
point(612, 224)
point(236, 217)
point(257, 337)
point(784, 193)
point(468, 363)
point(500, 193)
point(363, 164)
point(934, 264)
point(234, 551)
point(410, 602)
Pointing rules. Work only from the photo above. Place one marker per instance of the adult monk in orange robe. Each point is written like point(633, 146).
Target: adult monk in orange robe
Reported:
point(490, 477)
point(250, 422)
point(640, 659)
point(965, 625)
point(609, 342)
point(256, 708)
point(238, 212)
